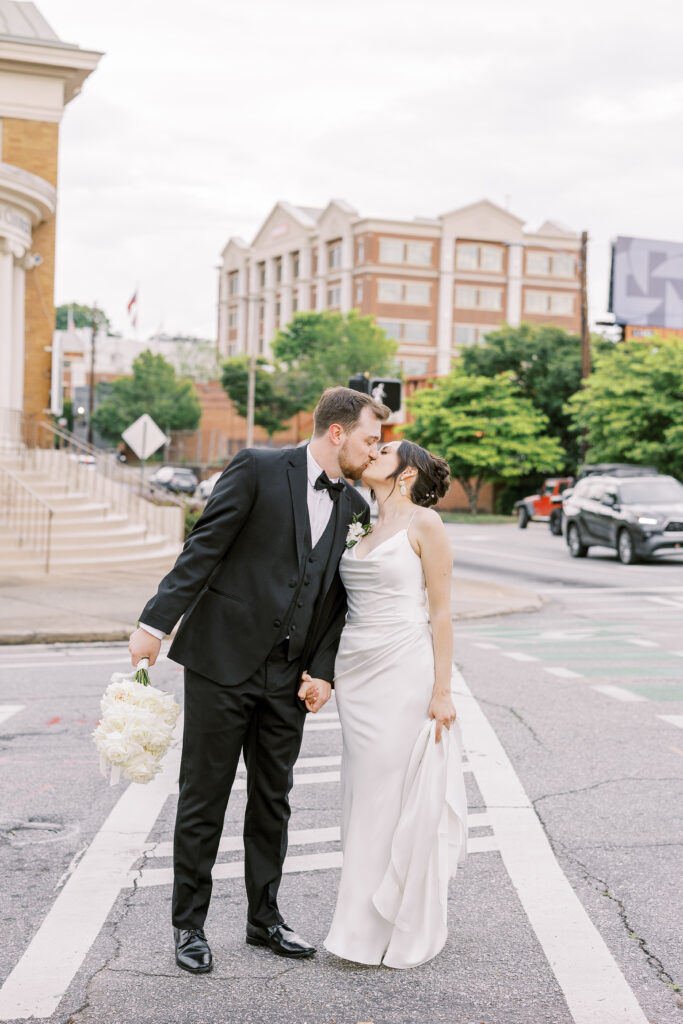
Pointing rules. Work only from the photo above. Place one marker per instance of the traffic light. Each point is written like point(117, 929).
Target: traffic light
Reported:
point(383, 389)
point(386, 390)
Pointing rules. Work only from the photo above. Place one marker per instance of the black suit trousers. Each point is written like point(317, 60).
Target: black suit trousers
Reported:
point(264, 717)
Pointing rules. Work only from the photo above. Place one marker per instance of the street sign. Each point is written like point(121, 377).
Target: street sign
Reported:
point(144, 437)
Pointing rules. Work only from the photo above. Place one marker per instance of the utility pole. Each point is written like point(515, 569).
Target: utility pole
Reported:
point(585, 336)
point(91, 389)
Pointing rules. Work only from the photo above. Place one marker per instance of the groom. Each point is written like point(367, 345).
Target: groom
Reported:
point(258, 585)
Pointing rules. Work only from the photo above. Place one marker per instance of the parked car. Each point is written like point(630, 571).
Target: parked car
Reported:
point(177, 479)
point(206, 486)
point(596, 469)
point(638, 516)
point(539, 506)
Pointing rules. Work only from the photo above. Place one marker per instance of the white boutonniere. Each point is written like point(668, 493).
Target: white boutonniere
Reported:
point(357, 531)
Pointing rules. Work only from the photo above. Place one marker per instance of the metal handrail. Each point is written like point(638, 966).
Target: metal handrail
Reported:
point(19, 498)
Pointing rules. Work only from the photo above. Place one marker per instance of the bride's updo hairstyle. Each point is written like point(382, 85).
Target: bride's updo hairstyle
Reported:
point(433, 475)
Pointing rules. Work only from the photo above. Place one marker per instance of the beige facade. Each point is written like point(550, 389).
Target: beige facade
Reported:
point(434, 285)
point(39, 75)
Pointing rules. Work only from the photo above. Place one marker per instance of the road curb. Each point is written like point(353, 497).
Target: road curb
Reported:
point(473, 599)
point(66, 636)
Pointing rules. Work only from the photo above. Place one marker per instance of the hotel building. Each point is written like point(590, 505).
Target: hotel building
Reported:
point(435, 285)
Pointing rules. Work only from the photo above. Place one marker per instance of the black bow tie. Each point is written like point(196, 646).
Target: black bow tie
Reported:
point(323, 483)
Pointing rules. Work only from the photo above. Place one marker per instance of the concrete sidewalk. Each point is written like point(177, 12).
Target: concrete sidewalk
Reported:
point(63, 609)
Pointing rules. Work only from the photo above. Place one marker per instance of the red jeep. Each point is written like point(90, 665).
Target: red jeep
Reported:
point(539, 506)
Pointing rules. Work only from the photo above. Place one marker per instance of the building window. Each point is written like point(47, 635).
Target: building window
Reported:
point(261, 313)
point(415, 367)
point(555, 303)
point(278, 270)
point(468, 297)
point(415, 331)
point(393, 250)
point(360, 251)
point(359, 292)
point(470, 334)
point(277, 308)
point(334, 295)
point(232, 318)
point(545, 264)
point(295, 265)
point(415, 293)
point(334, 256)
point(233, 283)
point(295, 302)
point(479, 257)
point(261, 268)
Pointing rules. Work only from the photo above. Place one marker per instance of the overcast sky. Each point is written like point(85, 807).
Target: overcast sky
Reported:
point(201, 115)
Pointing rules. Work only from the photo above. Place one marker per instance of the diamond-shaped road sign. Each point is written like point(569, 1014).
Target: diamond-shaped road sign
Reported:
point(144, 436)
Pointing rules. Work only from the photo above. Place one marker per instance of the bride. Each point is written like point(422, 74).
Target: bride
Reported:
point(403, 798)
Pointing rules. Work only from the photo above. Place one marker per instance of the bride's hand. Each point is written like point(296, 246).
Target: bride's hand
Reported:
point(314, 692)
point(442, 709)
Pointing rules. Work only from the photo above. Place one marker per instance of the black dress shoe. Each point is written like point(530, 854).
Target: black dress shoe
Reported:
point(281, 939)
point(192, 951)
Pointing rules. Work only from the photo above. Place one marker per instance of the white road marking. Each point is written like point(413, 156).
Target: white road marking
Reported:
point(65, 663)
point(562, 673)
point(568, 590)
point(619, 693)
point(519, 656)
point(328, 761)
point(300, 779)
point(679, 654)
point(672, 720)
point(638, 642)
point(321, 726)
point(7, 710)
point(666, 601)
point(234, 844)
point(486, 647)
point(593, 986)
point(48, 966)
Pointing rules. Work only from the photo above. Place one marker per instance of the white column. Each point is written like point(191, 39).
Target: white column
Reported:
point(444, 326)
point(321, 280)
point(269, 296)
point(18, 336)
point(513, 312)
point(346, 273)
point(223, 313)
point(286, 290)
point(6, 325)
point(305, 264)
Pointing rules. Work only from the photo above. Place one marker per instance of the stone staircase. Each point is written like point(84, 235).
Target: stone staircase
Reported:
point(88, 532)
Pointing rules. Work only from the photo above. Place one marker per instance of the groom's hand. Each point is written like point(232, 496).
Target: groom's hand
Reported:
point(314, 692)
point(143, 645)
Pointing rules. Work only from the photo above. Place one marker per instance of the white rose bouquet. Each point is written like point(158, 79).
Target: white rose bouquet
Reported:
point(136, 727)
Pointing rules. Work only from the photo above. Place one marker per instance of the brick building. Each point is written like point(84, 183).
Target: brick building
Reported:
point(39, 75)
point(434, 285)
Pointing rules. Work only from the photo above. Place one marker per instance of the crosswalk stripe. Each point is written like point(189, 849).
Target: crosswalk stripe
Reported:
point(672, 720)
point(7, 710)
point(619, 693)
point(562, 673)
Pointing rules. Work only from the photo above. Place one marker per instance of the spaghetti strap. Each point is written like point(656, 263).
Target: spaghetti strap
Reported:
point(410, 522)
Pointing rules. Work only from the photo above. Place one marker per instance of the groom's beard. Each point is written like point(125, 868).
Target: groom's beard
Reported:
point(349, 470)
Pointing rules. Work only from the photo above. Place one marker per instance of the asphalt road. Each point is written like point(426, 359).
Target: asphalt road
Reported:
point(567, 911)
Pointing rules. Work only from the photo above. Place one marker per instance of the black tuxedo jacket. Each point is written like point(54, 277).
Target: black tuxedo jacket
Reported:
point(232, 580)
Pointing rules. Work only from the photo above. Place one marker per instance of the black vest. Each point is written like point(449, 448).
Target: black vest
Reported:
point(299, 615)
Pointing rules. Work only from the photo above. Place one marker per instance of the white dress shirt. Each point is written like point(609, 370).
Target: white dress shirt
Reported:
point(320, 507)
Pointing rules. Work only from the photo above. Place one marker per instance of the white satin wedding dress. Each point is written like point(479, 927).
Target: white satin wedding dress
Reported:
point(404, 811)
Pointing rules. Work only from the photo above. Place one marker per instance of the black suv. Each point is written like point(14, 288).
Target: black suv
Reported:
point(594, 469)
point(637, 515)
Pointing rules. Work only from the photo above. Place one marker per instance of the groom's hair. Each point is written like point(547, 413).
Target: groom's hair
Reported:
point(344, 406)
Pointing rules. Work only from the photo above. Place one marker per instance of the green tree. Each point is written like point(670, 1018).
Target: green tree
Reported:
point(484, 428)
point(631, 409)
point(324, 349)
point(276, 396)
point(153, 388)
point(83, 316)
point(546, 363)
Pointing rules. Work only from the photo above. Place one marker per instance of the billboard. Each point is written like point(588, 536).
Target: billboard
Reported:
point(646, 282)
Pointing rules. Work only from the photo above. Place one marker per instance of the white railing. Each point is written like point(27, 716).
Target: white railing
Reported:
point(26, 515)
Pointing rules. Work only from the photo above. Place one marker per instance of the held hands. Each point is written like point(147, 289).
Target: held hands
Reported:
point(442, 709)
point(314, 692)
point(143, 645)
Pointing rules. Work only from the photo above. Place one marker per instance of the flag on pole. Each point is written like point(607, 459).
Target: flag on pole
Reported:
point(133, 309)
